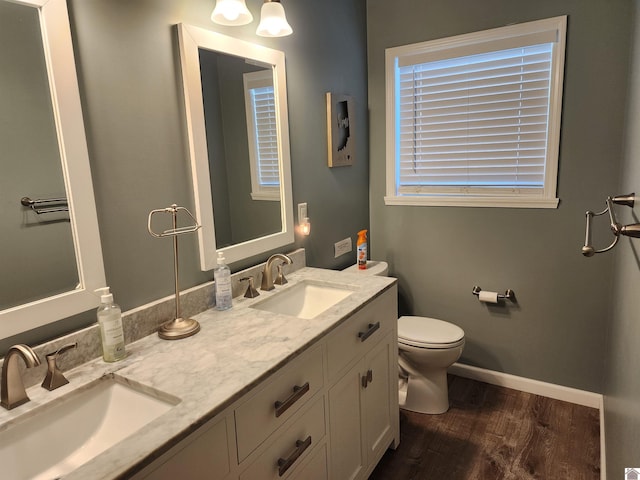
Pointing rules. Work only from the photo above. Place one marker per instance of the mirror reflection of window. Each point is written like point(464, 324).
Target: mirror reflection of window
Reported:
point(262, 132)
point(231, 133)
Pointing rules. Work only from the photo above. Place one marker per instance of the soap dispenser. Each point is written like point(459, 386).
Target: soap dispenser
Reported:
point(222, 281)
point(110, 323)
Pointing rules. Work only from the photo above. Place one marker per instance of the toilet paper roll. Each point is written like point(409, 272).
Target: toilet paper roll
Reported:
point(488, 297)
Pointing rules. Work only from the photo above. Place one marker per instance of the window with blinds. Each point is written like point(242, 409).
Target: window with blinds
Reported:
point(475, 119)
point(262, 135)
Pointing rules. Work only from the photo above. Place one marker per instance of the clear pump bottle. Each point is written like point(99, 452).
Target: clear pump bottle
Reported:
point(110, 323)
point(222, 280)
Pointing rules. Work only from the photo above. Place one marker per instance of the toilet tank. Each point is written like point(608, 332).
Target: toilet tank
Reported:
point(374, 267)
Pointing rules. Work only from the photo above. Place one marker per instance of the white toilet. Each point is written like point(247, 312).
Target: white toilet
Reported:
point(426, 348)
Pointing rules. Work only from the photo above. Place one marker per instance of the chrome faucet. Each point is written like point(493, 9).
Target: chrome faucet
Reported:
point(267, 279)
point(13, 393)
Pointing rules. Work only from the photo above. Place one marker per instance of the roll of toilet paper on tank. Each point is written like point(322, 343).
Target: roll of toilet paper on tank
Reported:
point(488, 297)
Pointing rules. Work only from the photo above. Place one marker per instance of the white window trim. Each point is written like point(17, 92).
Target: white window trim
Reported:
point(258, 191)
point(467, 42)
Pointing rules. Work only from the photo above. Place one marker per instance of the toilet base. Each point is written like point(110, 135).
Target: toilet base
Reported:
point(425, 394)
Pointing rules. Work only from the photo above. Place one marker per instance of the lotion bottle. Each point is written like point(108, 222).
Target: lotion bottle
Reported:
point(110, 323)
point(222, 280)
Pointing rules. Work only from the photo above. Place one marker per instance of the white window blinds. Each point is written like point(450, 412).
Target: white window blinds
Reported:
point(266, 138)
point(476, 124)
point(475, 121)
point(262, 129)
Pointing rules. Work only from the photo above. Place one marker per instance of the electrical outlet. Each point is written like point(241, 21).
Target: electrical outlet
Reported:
point(302, 212)
point(342, 247)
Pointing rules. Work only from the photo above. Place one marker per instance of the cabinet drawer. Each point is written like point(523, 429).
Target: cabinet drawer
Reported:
point(315, 469)
point(353, 338)
point(291, 447)
point(260, 415)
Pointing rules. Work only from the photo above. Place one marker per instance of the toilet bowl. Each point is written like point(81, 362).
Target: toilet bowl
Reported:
point(427, 347)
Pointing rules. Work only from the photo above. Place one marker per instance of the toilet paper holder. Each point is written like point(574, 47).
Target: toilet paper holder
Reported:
point(508, 294)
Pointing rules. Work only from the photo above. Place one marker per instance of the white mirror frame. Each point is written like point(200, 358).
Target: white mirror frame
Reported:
point(63, 83)
point(191, 38)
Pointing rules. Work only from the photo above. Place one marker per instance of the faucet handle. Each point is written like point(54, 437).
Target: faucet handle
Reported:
point(251, 291)
point(280, 279)
point(54, 378)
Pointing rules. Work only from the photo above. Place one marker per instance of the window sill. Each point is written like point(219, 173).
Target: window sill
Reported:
point(469, 201)
point(272, 196)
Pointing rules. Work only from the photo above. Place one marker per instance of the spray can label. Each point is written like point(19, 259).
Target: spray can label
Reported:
point(362, 256)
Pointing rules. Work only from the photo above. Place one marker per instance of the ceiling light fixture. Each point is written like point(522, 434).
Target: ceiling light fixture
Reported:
point(273, 22)
point(231, 12)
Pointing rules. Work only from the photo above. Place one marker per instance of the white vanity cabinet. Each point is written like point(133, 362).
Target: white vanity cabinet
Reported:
point(204, 455)
point(330, 413)
point(363, 398)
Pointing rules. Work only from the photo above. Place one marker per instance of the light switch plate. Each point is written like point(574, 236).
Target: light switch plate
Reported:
point(342, 247)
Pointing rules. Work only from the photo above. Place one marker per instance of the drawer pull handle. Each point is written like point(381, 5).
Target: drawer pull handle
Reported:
point(285, 463)
point(372, 328)
point(367, 379)
point(298, 392)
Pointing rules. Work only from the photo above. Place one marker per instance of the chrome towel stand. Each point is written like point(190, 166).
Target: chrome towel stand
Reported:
point(178, 327)
point(631, 230)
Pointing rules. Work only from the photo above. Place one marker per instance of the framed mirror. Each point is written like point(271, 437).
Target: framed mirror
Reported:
point(51, 255)
point(238, 129)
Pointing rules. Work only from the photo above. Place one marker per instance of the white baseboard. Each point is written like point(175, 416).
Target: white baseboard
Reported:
point(603, 451)
point(550, 390)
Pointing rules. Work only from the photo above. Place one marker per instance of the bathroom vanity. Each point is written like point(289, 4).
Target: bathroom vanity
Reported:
point(259, 394)
point(331, 409)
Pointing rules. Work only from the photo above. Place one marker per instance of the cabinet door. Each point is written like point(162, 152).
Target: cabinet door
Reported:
point(348, 458)
point(203, 455)
point(377, 416)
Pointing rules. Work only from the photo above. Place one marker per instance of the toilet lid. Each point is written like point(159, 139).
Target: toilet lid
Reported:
point(428, 332)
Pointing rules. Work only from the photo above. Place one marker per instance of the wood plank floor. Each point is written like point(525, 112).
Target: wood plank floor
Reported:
point(496, 433)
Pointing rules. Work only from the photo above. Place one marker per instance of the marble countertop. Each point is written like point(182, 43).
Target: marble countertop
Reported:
point(233, 352)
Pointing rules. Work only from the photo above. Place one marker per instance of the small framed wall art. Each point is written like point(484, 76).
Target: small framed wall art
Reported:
point(340, 131)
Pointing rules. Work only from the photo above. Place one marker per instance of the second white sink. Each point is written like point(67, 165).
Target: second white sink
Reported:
point(307, 299)
point(55, 439)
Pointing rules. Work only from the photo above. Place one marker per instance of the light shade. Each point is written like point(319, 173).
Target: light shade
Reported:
point(231, 12)
point(273, 22)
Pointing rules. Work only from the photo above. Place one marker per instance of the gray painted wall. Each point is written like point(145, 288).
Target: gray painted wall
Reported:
point(622, 383)
point(127, 59)
point(555, 332)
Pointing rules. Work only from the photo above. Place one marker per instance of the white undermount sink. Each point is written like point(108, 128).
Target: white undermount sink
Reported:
point(307, 299)
point(55, 439)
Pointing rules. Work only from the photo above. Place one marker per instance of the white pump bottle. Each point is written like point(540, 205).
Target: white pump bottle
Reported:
point(110, 323)
point(222, 280)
